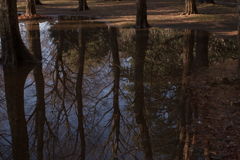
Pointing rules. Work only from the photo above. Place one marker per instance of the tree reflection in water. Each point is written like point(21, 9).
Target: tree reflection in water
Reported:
point(107, 93)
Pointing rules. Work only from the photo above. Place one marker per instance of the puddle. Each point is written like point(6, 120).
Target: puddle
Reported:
point(120, 94)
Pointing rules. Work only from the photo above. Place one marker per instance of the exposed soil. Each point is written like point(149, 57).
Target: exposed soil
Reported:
point(220, 18)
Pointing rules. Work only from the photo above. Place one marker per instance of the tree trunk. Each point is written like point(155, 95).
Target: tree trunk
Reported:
point(141, 17)
point(14, 79)
point(82, 5)
point(13, 49)
point(81, 56)
point(35, 49)
point(116, 69)
point(141, 46)
point(201, 59)
point(37, 2)
point(190, 7)
point(207, 1)
point(30, 8)
point(188, 42)
point(238, 10)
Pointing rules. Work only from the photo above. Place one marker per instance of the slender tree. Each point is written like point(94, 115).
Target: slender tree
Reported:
point(207, 1)
point(238, 10)
point(79, 97)
point(82, 5)
point(37, 2)
point(141, 17)
point(188, 42)
point(190, 7)
point(142, 37)
point(35, 49)
point(201, 59)
point(116, 112)
point(30, 7)
point(13, 49)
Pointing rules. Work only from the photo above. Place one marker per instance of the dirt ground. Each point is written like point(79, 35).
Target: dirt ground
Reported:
point(219, 19)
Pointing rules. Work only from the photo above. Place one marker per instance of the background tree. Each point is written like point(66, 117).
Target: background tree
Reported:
point(190, 7)
point(141, 17)
point(207, 1)
point(30, 8)
point(82, 5)
point(142, 37)
point(238, 10)
point(37, 2)
point(201, 59)
point(13, 48)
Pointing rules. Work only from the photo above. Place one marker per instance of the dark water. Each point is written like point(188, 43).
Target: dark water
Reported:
point(107, 93)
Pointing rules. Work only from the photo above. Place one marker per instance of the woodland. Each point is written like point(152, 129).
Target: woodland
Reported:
point(95, 79)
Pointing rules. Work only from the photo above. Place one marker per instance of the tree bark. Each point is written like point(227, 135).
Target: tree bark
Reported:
point(141, 46)
point(188, 42)
point(13, 49)
point(35, 49)
point(81, 56)
point(190, 7)
point(14, 79)
point(37, 2)
point(141, 17)
point(238, 38)
point(201, 59)
point(207, 1)
point(30, 7)
point(82, 5)
point(116, 69)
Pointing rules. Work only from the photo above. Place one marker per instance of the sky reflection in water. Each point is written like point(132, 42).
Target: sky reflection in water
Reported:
point(107, 93)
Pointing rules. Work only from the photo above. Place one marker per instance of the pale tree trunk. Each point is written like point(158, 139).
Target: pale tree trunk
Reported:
point(141, 17)
point(190, 7)
point(30, 7)
point(13, 49)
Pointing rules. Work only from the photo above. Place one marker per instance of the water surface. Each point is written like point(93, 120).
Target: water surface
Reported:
point(108, 93)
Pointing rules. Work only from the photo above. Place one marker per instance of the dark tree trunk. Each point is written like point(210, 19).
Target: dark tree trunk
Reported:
point(190, 7)
point(112, 0)
point(35, 49)
point(207, 1)
point(116, 69)
point(13, 49)
point(188, 42)
point(30, 8)
point(37, 2)
point(238, 38)
point(201, 59)
point(141, 47)
point(14, 79)
point(40, 110)
point(141, 17)
point(83, 5)
point(81, 56)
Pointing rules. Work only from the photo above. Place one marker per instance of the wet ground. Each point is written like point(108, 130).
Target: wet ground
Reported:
point(108, 93)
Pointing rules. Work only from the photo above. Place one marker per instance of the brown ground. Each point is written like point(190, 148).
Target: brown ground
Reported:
point(219, 19)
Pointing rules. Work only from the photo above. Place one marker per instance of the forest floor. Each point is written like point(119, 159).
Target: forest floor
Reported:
point(219, 19)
